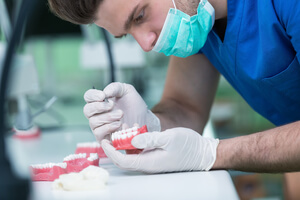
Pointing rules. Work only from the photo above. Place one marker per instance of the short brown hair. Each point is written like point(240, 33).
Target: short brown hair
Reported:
point(75, 11)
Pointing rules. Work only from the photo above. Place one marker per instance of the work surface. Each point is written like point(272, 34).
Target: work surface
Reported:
point(54, 145)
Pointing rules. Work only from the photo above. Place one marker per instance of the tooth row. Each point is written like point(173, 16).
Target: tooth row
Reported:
point(93, 156)
point(89, 144)
point(49, 165)
point(126, 130)
point(75, 156)
point(123, 134)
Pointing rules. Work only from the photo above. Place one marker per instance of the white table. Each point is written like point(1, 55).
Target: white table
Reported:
point(54, 145)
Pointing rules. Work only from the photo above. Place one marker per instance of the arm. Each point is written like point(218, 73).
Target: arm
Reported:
point(188, 94)
point(274, 150)
point(187, 98)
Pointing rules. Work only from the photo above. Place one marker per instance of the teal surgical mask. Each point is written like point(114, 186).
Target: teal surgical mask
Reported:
point(183, 35)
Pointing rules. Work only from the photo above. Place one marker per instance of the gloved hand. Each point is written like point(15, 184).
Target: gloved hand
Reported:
point(177, 149)
point(124, 105)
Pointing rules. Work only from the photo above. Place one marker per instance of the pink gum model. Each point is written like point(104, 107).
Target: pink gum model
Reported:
point(77, 162)
point(90, 147)
point(48, 172)
point(72, 163)
point(32, 133)
point(121, 140)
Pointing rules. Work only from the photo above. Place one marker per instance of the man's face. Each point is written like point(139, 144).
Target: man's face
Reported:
point(143, 19)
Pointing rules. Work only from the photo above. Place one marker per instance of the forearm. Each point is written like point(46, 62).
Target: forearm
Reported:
point(189, 91)
point(173, 114)
point(275, 150)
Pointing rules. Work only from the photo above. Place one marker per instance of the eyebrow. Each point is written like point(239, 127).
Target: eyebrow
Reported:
point(129, 20)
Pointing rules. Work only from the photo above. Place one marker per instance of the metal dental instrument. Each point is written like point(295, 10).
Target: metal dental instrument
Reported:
point(24, 119)
point(46, 106)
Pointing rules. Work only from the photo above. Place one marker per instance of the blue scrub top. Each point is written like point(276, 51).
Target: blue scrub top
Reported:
point(260, 55)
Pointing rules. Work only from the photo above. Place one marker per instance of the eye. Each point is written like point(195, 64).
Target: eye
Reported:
point(121, 36)
point(139, 18)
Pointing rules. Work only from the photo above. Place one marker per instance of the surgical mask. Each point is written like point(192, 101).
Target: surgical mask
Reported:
point(183, 35)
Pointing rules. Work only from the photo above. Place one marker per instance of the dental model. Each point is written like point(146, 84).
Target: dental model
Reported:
point(77, 162)
point(90, 147)
point(72, 163)
point(48, 171)
point(90, 178)
point(31, 133)
point(121, 140)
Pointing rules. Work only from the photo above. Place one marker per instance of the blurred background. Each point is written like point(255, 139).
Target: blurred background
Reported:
point(70, 59)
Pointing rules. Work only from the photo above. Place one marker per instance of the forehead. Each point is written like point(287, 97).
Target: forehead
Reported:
point(112, 14)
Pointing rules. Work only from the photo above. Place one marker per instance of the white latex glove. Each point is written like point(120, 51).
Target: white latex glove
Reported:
point(177, 149)
point(124, 105)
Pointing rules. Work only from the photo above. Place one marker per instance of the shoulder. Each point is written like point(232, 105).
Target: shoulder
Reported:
point(288, 11)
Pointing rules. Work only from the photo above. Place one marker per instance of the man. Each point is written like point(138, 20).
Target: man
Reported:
point(255, 45)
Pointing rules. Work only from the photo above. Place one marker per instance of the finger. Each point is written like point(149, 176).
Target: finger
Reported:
point(105, 118)
point(93, 95)
point(151, 140)
point(115, 90)
point(116, 156)
point(93, 108)
point(102, 131)
point(123, 161)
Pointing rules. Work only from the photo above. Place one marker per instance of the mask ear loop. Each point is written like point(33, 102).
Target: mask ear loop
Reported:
point(174, 6)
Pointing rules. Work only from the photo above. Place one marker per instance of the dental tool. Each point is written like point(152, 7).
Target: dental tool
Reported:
point(46, 106)
point(24, 127)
